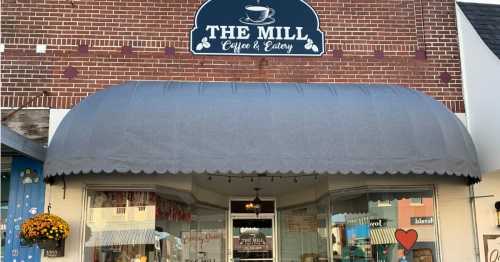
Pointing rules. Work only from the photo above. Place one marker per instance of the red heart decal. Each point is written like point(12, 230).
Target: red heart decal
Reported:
point(407, 239)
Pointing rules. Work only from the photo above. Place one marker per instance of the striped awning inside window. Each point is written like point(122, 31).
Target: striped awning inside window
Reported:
point(121, 237)
point(382, 236)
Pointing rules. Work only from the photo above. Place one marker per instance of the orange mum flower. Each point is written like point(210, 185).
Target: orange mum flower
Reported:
point(44, 226)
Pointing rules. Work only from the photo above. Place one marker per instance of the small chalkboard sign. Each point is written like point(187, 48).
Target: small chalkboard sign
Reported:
point(56, 252)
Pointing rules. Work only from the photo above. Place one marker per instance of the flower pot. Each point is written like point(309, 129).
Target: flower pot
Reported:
point(49, 244)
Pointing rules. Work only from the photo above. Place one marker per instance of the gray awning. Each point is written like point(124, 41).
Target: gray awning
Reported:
point(172, 127)
point(16, 144)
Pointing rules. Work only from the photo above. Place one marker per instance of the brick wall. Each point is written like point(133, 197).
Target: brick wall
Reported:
point(358, 28)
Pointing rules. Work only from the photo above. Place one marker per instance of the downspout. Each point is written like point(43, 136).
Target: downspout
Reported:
point(472, 199)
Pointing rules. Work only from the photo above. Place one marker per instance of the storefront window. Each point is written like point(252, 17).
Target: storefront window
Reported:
point(197, 235)
point(364, 224)
point(304, 233)
point(133, 226)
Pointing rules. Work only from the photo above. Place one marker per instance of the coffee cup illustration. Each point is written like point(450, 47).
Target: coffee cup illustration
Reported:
point(258, 13)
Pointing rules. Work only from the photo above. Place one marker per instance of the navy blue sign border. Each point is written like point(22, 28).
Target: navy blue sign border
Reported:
point(195, 26)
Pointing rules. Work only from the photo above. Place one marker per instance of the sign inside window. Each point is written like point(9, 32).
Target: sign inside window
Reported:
point(302, 223)
point(253, 241)
point(202, 245)
point(379, 222)
point(257, 28)
point(421, 220)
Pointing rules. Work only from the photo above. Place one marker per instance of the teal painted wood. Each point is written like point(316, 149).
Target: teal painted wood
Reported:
point(26, 198)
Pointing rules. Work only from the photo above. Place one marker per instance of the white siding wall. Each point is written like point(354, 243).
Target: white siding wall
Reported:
point(481, 80)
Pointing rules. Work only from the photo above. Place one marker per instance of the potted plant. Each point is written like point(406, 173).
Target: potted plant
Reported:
point(46, 230)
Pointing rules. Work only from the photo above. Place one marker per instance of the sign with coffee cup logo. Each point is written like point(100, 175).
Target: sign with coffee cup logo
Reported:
point(257, 28)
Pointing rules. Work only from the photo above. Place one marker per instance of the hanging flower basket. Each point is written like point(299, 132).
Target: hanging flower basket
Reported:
point(46, 230)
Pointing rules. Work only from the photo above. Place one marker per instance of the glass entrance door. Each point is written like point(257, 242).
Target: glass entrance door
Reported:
point(253, 239)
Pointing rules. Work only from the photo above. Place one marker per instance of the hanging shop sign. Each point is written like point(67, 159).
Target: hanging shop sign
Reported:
point(491, 248)
point(257, 28)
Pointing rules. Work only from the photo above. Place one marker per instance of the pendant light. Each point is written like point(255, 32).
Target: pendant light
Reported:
point(256, 204)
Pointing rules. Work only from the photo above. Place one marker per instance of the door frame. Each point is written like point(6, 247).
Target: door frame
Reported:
point(232, 216)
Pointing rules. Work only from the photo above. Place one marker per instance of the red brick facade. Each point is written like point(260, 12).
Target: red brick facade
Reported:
point(358, 28)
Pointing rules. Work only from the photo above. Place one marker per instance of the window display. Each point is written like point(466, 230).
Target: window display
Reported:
point(399, 230)
point(120, 226)
point(304, 233)
point(362, 225)
point(136, 226)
